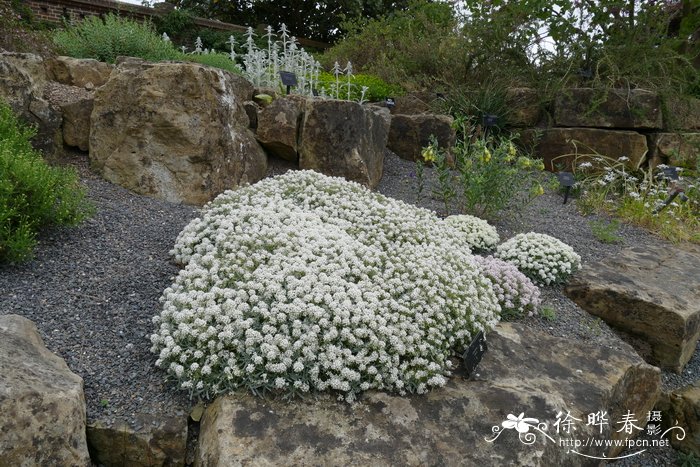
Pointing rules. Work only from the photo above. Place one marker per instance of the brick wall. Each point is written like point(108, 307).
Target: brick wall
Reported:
point(74, 10)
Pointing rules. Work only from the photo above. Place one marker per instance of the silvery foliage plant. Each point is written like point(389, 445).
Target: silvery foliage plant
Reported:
point(542, 258)
point(304, 283)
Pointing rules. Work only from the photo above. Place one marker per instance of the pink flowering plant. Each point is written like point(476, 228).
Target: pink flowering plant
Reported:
point(516, 294)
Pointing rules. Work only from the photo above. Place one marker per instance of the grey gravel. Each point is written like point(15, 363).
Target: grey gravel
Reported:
point(93, 289)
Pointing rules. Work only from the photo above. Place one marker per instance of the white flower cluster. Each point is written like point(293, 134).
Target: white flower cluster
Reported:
point(304, 282)
point(516, 294)
point(479, 234)
point(542, 258)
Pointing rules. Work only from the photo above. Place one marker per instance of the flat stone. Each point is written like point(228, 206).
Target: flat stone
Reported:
point(143, 441)
point(677, 149)
point(524, 371)
point(559, 147)
point(525, 110)
point(82, 72)
point(682, 408)
point(610, 108)
point(409, 134)
point(344, 139)
point(41, 401)
point(651, 294)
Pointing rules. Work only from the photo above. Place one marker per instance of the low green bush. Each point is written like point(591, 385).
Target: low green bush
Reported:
point(107, 39)
point(217, 60)
point(377, 88)
point(32, 194)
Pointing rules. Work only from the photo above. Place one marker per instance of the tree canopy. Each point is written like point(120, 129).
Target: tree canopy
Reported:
point(319, 20)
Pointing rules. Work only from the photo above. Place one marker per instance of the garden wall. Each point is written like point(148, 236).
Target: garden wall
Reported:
point(56, 11)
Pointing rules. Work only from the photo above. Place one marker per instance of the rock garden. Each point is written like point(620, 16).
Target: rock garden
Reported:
point(200, 268)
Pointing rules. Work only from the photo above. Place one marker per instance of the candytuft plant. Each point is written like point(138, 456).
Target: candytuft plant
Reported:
point(305, 283)
point(517, 295)
point(478, 234)
point(542, 258)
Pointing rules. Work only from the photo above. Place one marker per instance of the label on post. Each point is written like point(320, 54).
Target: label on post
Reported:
point(288, 78)
point(472, 357)
point(566, 179)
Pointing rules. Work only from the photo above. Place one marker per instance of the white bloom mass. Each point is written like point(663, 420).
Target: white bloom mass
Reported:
point(477, 233)
point(542, 258)
point(304, 282)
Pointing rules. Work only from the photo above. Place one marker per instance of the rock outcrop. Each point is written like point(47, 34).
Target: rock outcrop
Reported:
point(559, 147)
point(523, 371)
point(22, 81)
point(278, 126)
point(682, 408)
point(611, 108)
point(651, 294)
point(82, 72)
point(41, 401)
point(409, 134)
point(344, 139)
point(143, 441)
point(175, 131)
point(678, 149)
point(76, 123)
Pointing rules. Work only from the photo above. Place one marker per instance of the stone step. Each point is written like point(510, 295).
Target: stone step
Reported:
point(524, 371)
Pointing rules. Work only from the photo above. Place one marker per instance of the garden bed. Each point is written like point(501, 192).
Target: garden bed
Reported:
point(92, 290)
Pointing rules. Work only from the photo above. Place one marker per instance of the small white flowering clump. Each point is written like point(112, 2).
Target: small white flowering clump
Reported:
point(479, 234)
point(305, 282)
point(542, 258)
point(516, 294)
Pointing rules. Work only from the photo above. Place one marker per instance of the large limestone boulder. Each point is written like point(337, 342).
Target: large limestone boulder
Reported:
point(344, 139)
point(175, 131)
point(41, 401)
point(278, 126)
point(143, 441)
point(682, 113)
point(82, 72)
point(524, 371)
point(76, 123)
point(524, 107)
point(23, 78)
point(678, 149)
point(610, 108)
point(651, 294)
point(559, 147)
point(409, 134)
point(682, 408)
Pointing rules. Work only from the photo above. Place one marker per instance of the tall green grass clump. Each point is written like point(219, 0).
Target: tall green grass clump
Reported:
point(33, 195)
point(107, 39)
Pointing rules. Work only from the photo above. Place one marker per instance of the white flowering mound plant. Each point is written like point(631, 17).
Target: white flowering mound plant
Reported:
point(542, 258)
point(516, 294)
point(304, 282)
point(479, 234)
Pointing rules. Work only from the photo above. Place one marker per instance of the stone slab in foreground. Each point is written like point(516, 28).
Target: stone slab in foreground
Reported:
point(523, 371)
point(652, 295)
point(41, 401)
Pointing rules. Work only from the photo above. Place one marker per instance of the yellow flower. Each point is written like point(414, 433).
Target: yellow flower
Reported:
point(539, 164)
point(428, 154)
point(524, 162)
point(487, 155)
point(511, 152)
point(539, 191)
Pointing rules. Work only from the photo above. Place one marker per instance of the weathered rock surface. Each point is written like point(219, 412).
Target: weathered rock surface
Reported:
point(41, 401)
point(652, 295)
point(682, 114)
point(344, 139)
point(22, 81)
point(146, 441)
point(523, 371)
point(76, 123)
point(558, 147)
point(524, 107)
point(614, 108)
point(414, 103)
point(82, 72)
point(175, 131)
point(679, 149)
point(409, 134)
point(682, 408)
point(278, 126)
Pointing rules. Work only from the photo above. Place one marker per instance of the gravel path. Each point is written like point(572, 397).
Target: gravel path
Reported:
point(93, 289)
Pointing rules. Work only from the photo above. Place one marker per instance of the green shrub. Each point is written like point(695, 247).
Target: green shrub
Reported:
point(32, 194)
point(217, 60)
point(115, 36)
point(377, 88)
